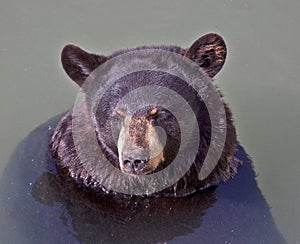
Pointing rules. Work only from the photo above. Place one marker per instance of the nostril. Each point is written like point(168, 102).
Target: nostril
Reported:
point(139, 164)
point(127, 163)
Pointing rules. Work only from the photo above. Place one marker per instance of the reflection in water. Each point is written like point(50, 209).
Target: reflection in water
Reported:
point(41, 206)
point(115, 219)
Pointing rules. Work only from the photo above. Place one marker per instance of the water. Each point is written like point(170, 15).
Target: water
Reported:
point(259, 80)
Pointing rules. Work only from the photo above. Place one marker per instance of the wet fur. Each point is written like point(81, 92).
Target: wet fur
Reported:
point(209, 52)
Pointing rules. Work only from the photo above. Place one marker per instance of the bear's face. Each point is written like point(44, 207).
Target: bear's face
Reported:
point(148, 139)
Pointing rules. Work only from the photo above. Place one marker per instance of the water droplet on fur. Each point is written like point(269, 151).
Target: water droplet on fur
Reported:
point(175, 189)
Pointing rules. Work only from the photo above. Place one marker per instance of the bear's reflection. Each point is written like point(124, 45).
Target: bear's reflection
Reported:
point(107, 218)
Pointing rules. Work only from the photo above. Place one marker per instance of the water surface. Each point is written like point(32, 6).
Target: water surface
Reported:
point(260, 78)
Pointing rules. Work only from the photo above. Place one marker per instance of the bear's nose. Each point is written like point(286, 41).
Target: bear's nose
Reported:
point(134, 164)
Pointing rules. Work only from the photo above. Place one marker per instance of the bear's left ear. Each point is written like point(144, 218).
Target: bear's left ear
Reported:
point(78, 63)
point(209, 51)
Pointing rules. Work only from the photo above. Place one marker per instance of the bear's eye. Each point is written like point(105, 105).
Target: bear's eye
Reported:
point(118, 116)
point(153, 113)
point(121, 112)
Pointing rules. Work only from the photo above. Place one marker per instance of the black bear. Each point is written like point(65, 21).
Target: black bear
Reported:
point(41, 203)
point(137, 135)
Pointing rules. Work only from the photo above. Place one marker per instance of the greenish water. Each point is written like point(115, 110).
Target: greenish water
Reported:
point(260, 79)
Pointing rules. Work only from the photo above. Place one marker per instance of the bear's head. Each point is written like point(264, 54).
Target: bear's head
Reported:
point(148, 139)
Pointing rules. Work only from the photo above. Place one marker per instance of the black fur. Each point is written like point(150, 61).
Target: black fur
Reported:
point(209, 52)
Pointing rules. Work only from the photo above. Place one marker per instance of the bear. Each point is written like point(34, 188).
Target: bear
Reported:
point(50, 200)
point(137, 135)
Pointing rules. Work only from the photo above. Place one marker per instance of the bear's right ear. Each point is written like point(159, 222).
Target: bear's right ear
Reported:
point(79, 64)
